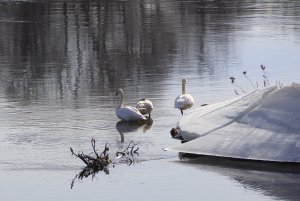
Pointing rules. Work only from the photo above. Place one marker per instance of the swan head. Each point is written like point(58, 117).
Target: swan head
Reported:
point(119, 91)
point(184, 81)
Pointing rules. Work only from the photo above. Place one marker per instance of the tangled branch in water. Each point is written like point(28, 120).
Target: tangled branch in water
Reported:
point(96, 162)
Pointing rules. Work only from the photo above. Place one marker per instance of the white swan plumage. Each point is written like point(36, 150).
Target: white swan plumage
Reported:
point(128, 113)
point(184, 101)
point(145, 106)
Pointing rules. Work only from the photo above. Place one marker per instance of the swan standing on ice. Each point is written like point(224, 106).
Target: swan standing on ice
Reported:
point(127, 113)
point(184, 101)
point(145, 106)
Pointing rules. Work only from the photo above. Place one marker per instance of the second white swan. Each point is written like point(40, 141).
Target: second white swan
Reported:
point(145, 106)
point(184, 101)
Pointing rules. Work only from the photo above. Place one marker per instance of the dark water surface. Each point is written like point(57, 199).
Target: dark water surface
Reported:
point(62, 61)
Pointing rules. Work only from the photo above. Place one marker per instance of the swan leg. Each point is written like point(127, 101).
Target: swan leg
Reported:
point(181, 112)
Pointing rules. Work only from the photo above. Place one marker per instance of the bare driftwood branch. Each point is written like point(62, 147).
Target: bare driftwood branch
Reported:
point(101, 161)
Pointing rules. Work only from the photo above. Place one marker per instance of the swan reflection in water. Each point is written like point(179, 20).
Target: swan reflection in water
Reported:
point(133, 126)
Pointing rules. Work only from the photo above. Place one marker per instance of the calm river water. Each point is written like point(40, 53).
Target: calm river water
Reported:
point(61, 63)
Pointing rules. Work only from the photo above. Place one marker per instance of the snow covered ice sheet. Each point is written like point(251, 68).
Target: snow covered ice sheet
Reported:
point(261, 125)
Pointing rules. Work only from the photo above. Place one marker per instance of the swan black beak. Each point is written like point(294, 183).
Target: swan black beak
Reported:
point(117, 93)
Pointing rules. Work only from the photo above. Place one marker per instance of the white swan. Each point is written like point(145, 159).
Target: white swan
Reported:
point(127, 113)
point(183, 101)
point(145, 106)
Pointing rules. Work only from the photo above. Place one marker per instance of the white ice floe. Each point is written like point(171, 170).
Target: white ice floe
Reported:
point(261, 125)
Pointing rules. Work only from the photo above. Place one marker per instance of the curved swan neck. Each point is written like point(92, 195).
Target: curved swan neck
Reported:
point(183, 86)
point(122, 98)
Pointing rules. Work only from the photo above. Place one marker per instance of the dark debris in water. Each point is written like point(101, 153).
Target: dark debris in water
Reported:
point(96, 162)
point(175, 134)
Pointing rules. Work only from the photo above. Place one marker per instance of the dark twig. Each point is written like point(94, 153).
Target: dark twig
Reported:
point(94, 147)
point(245, 75)
point(265, 76)
point(237, 86)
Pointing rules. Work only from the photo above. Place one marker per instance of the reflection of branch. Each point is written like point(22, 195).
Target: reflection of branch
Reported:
point(88, 171)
